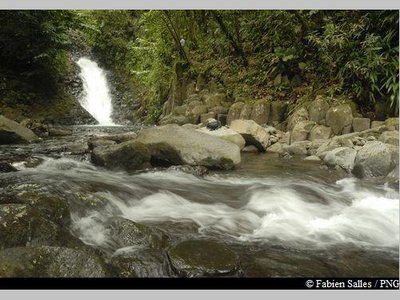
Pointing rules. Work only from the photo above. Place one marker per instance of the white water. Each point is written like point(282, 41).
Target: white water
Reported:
point(249, 209)
point(96, 99)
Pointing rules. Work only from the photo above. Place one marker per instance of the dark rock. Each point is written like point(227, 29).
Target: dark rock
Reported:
point(49, 262)
point(213, 125)
point(198, 258)
point(5, 167)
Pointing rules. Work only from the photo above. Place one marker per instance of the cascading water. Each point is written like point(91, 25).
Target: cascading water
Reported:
point(96, 99)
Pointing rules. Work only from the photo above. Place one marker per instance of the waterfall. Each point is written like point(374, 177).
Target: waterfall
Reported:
point(96, 98)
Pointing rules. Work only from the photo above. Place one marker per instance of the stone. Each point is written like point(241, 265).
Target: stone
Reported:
point(205, 117)
point(253, 133)
point(301, 130)
point(234, 112)
point(219, 110)
point(339, 117)
point(361, 124)
point(317, 110)
point(6, 167)
point(276, 148)
point(226, 134)
point(49, 262)
point(180, 110)
point(312, 158)
point(298, 115)
point(376, 124)
point(297, 148)
point(375, 159)
point(189, 147)
point(245, 114)
point(392, 123)
point(171, 119)
point(12, 132)
point(199, 258)
point(343, 157)
point(277, 112)
point(320, 132)
point(131, 155)
point(199, 110)
point(390, 137)
point(215, 100)
point(261, 111)
point(250, 149)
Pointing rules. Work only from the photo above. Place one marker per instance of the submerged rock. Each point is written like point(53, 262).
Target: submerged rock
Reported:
point(12, 132)
point(177, 145)
point(198, 258)
point(49, 262)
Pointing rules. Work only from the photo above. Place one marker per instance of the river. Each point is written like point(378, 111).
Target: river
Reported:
point(283, 217)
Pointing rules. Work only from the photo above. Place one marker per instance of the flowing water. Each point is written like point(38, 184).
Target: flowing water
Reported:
point(96, 94)
point(283, 217)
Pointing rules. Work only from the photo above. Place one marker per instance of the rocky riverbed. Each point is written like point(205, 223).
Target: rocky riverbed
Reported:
point(77, 204)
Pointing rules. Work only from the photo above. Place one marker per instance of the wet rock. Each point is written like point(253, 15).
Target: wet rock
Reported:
point(234, 112)
point(21, 225)
point(13, 133)
point(317, 110)
point(320, 132)
point(98, 142)
point(374, 160)
point(189, 147)
point(390, 137)
point(199, 171)
point(131, 155)
point(253, 133)
point(339, 118)
point(5, 167)
point(126, 233)
point(49, 262)
point(361, 124)
point(198, 258)
point(54, 131)
point(343, 157)
point(260, 112)
point(226, 134)
point(301, 130)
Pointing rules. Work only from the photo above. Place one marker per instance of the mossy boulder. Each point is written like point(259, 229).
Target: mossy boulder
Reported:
point(49, 262)
point(199, 258)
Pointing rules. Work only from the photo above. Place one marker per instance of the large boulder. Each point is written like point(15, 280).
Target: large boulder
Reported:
point(131, 155)
point(342, 157)
point(320, 132)
point(199, 258)
point(361, 124)
point(297, 148)
point(375, 159)
point(253, 133)
point(12, 132)
point(298, 115)
point(340, 119)
point(234, 112)
point(49, 262)
point(301, 130)
point(317, 110)
point(226, 134)
point(260, 112)
point(190, 147)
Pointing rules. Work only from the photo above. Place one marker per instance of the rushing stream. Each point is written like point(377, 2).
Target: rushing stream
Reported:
point(283, 217)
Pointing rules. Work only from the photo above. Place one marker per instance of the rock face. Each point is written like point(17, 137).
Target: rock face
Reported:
point(199, 258)
point(131, 155)
point(226, 134)
point(260, 113)
point(301, 130)
point(190, 147)
point(12, 132)
point(342, 157)
point(340, 119)
point(374, 160)
point(361, 124)
point(253, 133)
point(49, 262)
